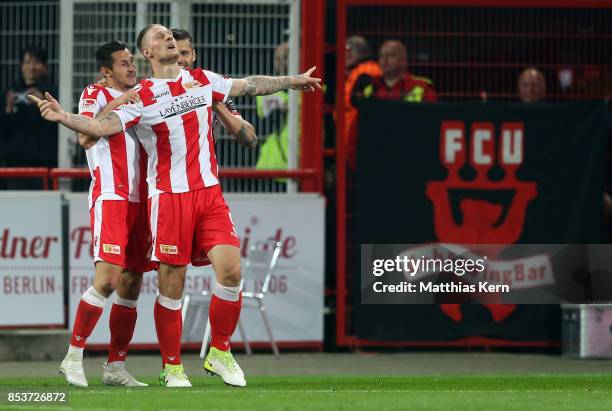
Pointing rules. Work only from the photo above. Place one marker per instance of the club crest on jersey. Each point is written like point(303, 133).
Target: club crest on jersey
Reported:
point(111, 249)
point(192, 84)
point(183, 104)
point(87, 104)
point(168, 249)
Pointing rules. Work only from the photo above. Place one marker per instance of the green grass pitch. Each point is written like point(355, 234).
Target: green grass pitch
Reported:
point(454, 393)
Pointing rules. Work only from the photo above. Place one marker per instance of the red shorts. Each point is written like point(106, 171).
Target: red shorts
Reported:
point(185, 226)
point(121, 234)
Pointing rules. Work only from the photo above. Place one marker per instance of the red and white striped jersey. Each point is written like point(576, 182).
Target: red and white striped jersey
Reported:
point(117, 163)
point(173, 121)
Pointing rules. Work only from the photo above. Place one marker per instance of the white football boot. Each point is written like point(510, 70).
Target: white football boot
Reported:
point(223, 364)
point(116, 374)
point(173, 376)
point(72, 368)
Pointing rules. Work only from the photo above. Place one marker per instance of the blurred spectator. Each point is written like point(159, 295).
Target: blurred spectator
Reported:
point(273, 110)
point(359, 62)
point(531, 85)
point(26, 139)
point(396, 82)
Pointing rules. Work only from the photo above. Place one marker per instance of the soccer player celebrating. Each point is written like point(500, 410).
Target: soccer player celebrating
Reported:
point(119, 226)
point(241, 129)
point(190, 221)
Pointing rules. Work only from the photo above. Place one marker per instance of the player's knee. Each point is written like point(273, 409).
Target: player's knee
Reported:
point(131, 280)
point(231, 275)
point(105, 286)
point(131, 283)
point(171, 280)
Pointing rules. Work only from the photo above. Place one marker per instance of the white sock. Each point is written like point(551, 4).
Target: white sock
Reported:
point(93, 297)
point(169, 303)
point(125, 302)
point(75, 351)
point(227, 293)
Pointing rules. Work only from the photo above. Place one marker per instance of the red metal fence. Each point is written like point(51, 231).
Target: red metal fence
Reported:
point(308, 176)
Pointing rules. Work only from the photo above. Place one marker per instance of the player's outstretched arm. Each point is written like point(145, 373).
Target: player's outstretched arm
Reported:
point(242, 130)
point(264, 85)
point(50, 110)
point(87, 141)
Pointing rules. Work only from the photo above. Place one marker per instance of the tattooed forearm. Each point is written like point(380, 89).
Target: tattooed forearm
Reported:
point(75, 119)
point(106, 115)
point(103, 126)
point(109, 117)
point(246, 138)
point(264, 85)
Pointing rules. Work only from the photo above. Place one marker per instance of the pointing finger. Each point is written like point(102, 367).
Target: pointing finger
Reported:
point(50, 97)
point(310, 71)
point(34, 98)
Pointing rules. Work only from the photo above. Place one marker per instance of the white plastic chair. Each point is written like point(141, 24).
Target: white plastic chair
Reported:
point(259, 267)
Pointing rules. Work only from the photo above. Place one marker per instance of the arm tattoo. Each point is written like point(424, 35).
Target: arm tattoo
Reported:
point(102, 116)
point(77, 119)
point(264, 85)
point(109, 117)
point(93, 127)
point(242, 136)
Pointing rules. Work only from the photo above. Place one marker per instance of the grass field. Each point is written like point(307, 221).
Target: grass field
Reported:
point(455, 392)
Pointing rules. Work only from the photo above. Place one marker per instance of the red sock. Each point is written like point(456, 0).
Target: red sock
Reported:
point(169, 327)
point(122, 323)
point(223, 316)
point(87, 317)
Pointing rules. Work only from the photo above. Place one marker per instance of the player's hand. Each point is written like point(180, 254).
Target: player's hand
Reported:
point(49, 108)
point(35, 92)
point(129, 97)
point(304, 82)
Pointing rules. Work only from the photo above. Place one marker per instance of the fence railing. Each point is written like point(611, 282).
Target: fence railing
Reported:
point(55, 174)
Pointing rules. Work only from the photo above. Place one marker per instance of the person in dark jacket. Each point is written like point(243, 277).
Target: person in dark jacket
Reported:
point(26, 139)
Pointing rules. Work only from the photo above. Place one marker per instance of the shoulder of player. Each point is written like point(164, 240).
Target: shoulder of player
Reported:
point(91, 91)
point(142, 85)
point(200, 73)
point(144, 88)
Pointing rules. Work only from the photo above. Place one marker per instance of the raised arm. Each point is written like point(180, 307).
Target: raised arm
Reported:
point(50, 110)
point(264, 85)
point(85, 140)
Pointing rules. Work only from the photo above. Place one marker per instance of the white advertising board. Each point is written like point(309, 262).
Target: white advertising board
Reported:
point(31, 280)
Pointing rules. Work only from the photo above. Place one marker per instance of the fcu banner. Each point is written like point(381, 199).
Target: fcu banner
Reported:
point(31, 286)
point(474, 173)
point(295, 299)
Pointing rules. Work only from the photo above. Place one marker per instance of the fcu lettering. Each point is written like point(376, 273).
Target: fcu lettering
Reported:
point(483, 220)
